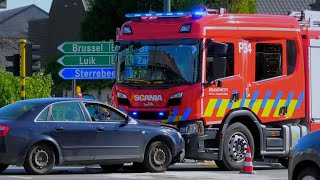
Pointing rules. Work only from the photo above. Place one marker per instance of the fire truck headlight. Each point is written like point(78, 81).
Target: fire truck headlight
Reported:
point(189, 129)
point(177, 95)
point(121, 95)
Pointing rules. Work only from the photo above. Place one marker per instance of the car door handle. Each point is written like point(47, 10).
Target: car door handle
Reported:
point(100, 129)
point(58, 129)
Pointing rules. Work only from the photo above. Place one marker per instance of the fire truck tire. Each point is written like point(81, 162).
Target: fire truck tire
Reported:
point(237, 138)
point(157, 157)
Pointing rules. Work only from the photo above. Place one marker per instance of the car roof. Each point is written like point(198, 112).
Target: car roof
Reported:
point(56, 99)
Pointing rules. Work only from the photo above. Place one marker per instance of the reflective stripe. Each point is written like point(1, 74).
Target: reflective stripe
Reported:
point(267, 108)
point(233, 28)
point(186, 114)
point(172, 118)
point(281, 103)
point(265, 99)
point(210, 108)
point(300, 99)
point(223, 108)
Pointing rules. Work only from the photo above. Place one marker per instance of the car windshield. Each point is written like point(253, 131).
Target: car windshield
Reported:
point(17, 109)
point(147, 63)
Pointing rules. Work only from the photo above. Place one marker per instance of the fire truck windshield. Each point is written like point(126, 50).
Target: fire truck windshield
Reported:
point(162, 64)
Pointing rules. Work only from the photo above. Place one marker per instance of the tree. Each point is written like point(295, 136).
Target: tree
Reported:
point(37, 86)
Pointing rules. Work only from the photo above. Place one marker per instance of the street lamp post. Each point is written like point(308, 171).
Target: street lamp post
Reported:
point(167, 5)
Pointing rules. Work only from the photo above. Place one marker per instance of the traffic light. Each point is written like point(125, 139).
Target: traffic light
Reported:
point(32, 60)
point(15, 68)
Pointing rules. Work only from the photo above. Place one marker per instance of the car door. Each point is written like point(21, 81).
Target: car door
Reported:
point(72, 132)
point(114, 139)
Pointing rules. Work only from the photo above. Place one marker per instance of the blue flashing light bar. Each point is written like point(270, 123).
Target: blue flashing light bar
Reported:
point(161, 113)
point(167, 14)
point(134, 113)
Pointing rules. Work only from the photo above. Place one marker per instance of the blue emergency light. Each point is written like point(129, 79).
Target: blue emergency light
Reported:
point(196, 13)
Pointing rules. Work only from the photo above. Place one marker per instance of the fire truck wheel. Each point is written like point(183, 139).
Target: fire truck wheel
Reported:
point(237, 138)
point(157, 157)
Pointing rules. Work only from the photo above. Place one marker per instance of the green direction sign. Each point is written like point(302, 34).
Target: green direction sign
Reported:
point(86, 47)
point(87, 60)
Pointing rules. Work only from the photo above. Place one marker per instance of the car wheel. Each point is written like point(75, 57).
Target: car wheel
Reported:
point(3, 167)
point(237, 138)
point(39, 160)
point(309, 173)
point(284, 162)
point(157, 157)
point(111, 168)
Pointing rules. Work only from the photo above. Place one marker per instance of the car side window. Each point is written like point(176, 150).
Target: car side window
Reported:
point(102, 113)
point(66, 111)
point(44, 115)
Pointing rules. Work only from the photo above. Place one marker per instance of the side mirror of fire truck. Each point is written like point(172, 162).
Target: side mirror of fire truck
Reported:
point(216, 49)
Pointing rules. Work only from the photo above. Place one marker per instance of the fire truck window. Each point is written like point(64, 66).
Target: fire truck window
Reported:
point(268, 61)
point(291, 56)
point(230, 62)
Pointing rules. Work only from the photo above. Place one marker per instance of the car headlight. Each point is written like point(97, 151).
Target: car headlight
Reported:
point(189, 129)
point(177, 95)
point(121, 95)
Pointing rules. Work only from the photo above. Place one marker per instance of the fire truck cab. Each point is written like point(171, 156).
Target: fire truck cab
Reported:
point(227, 81)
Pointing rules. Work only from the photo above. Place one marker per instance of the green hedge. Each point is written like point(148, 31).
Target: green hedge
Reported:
point(37, 86)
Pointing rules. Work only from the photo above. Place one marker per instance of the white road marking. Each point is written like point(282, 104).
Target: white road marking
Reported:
point(20, 177)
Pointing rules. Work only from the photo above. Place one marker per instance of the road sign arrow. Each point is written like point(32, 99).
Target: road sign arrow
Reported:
point(87, 73)
point(87, 60)
point(87, 47)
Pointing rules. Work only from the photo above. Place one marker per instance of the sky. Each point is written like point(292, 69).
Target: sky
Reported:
point(43, 4)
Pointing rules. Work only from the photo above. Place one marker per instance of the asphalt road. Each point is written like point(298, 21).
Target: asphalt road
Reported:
point(183, 171)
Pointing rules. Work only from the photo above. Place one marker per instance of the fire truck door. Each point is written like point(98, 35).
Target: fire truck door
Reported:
point(225, 94)
point(272, 94)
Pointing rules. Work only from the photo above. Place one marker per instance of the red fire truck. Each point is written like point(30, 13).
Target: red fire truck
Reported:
point(227, 81)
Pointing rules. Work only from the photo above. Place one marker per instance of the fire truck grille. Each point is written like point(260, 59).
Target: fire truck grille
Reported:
point(146, 115)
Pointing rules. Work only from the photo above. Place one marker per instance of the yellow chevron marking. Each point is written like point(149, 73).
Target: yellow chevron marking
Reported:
point(223, 107)
point(176, 119)
point(246, 102)
point(267, 108)
point(165, 120)
point(281, 103)
point(236, 104)
point(256, 106)
point(210, 107)
point(291, 108)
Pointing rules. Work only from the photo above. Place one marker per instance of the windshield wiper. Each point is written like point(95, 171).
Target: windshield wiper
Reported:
point(135, 80)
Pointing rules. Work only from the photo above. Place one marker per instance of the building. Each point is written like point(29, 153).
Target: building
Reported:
point(14, 26)
point(283, 7)
point(14, 22)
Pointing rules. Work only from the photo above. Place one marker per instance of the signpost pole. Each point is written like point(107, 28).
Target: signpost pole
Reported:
point(74, 88)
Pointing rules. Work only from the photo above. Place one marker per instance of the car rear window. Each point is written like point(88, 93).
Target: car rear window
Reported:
point(17, 109)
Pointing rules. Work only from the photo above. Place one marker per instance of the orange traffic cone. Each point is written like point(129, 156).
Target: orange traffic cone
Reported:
point(247, 167)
